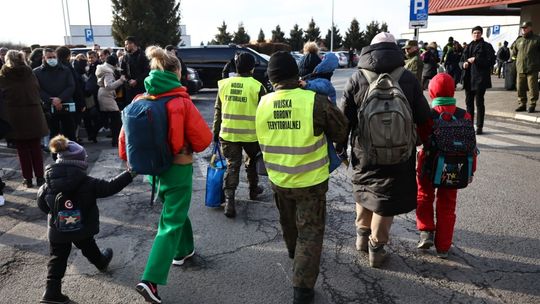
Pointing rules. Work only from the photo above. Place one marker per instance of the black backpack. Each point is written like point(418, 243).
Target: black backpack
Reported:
point(450, 151)
point(67, 213)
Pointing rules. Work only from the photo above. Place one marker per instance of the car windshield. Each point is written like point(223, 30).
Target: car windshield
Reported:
point(266, 57)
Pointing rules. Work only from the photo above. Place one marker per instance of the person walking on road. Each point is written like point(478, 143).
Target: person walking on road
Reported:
point(476, 62)
point(437, 231)
point(413, 62)
point(381, 191)
point(187, 133)
point(22, 110)
point(503, 55)
point(107, 95)
point(234, 127)
point(69, 198)
point(310, 59)
point(291, 125)
point(526, 49)
point(56, 90)
point(431, 60)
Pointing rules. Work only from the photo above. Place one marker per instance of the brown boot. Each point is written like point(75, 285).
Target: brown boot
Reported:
point(230, 211)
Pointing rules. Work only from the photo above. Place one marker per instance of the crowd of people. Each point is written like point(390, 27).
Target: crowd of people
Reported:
point(296, 131)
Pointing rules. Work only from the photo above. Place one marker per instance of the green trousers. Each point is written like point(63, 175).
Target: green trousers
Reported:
point(175, 236)
point(527, 81)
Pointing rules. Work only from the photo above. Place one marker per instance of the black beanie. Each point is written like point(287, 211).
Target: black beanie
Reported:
point(112, 60)
point(477, 28)
point(245, 62)
point(282, 66)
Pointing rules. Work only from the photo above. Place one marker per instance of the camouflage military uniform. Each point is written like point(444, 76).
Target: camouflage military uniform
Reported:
point(303, 210)
point(232, 151)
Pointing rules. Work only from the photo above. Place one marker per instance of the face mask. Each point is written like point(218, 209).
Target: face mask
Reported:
point(52, 62)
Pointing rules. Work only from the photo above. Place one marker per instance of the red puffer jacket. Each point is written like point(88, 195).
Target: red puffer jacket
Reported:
point(187, 128)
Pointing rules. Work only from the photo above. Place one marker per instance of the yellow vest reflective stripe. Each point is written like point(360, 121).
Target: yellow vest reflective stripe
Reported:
point(293, 156)
point(239, 98)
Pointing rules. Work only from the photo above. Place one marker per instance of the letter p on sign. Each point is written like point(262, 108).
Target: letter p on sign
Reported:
point(419, 5)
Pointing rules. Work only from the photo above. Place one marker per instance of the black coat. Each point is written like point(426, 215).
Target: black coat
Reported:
point(67, 177)
point(431, 63)
point(55, 82)
point(478, 75)
point(385, 190)
point(135, 66)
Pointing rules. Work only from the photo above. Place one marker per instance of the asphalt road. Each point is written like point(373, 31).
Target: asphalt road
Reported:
point(495, 257)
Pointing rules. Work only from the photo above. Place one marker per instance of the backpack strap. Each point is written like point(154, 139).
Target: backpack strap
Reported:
point(397, 73)
point(369, 75)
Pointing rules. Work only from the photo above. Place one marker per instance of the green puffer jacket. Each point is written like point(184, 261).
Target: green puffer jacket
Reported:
point(527, 54)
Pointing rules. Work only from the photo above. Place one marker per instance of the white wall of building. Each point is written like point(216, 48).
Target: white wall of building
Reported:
point(461, 30)
point(103, 35)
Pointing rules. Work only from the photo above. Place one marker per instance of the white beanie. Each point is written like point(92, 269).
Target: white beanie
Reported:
point(383, 37)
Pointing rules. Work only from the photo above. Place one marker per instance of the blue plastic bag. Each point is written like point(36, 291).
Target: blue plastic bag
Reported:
point(214, 179)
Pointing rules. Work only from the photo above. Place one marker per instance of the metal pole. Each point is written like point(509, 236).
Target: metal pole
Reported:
point(65, 27)
point(416, 33)
point(90, 20)
point(69, 22)
point(332, 30)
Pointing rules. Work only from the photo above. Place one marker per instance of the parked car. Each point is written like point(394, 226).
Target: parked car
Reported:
point(209, 61)
point(297, 56)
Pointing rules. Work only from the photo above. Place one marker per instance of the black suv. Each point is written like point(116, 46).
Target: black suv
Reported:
point(209, 61)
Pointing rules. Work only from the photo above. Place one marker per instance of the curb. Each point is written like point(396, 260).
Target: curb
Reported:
point(517, 116)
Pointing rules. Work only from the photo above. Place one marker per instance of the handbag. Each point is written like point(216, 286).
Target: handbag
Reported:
point(214, 178)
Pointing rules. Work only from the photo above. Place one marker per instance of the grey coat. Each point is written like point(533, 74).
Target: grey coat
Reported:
point(107, 88)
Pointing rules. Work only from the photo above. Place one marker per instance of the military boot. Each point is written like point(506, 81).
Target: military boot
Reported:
point(230, 211)
point(303, 295)
point(53, 293)
point(254, 192)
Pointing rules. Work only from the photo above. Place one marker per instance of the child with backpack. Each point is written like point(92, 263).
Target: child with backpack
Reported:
point(69, 198)
point(318, 81)
point(445, 164)
point(183, 131)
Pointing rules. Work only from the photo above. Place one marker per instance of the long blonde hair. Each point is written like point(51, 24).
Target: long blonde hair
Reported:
point(161, 60)
point(14, 58)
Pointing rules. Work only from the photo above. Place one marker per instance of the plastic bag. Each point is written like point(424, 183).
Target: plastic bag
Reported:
point(214, 179)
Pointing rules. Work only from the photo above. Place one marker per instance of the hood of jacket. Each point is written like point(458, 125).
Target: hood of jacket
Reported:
point(103, 69)
point(159, 82)
point(64, 176)
point(329, 63)
point(382, 57)
point(17, 72)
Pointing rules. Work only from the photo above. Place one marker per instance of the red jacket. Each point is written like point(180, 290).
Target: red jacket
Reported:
point(425, 130)
point(187, 127)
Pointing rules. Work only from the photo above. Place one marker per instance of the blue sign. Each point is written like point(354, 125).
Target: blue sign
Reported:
point(418, 16)
point(89, 35)
point(496, 30)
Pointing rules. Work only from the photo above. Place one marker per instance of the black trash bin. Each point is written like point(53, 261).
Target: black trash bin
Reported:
point(510, 75)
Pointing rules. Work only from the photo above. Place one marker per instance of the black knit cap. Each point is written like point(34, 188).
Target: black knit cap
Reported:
point(245, 62)
point(477, 28)
point(112, 60)
point(282, 66)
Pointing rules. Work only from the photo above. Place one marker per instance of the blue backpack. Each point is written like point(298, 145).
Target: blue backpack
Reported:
point(146, 129)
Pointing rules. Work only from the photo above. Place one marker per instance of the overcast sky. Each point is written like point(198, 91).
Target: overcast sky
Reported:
point(41, 21)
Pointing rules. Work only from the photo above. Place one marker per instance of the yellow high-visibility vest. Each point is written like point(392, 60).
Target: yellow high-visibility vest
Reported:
point(239, 98)
point(293, 156)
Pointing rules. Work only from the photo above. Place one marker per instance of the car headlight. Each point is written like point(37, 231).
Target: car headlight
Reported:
point(191, 76)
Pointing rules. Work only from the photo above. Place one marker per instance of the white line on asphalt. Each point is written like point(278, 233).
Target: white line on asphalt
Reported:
point(485, 140)
point(526, 139)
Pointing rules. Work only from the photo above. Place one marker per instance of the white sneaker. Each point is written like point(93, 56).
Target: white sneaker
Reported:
point(2, 200)
point(180, 261)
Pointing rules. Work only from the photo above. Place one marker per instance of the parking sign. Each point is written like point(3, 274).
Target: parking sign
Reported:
point(496, 30)
point(418, 14)
point(89, 35)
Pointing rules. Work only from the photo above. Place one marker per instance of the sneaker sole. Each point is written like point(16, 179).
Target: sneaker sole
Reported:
point(147, 294)
point(54, 302)
point(182, 261)
point(425, 245)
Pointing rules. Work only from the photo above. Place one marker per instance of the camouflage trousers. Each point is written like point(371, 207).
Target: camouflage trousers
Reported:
point(232, 151)
point(302, 213)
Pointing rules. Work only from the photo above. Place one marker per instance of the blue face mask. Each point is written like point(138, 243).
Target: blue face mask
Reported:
point(52, 62)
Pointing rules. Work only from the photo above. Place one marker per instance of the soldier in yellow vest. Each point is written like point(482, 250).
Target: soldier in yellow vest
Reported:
point(291, 125)
point(234, 126)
